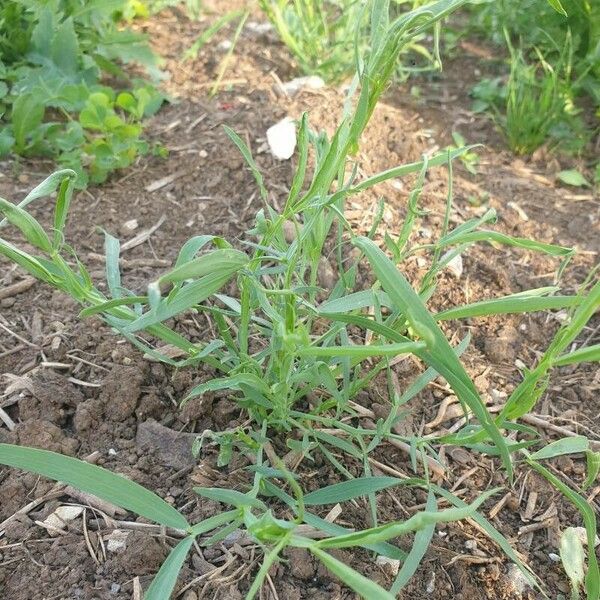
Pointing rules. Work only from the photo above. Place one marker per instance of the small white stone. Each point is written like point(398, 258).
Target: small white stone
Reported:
point(455, 266)
point(259, 28)
point(471, 545)
point(131, 225)
point(554, 557)
point(224, 46)
point(281, 138)
point(431, 585)
point(112, 452)
point(116, 540)
point(311, 82)
point(392, 562)
point(60, 517)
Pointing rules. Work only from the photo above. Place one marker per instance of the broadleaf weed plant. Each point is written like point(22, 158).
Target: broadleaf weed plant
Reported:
point(296, 362)
point(53, 102)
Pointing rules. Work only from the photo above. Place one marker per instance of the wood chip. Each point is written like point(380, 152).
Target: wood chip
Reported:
point(5, 418)
point(164, 181)
point(17, 288)
point(141, 237)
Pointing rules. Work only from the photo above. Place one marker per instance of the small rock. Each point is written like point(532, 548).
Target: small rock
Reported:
point(311, 82)
point(326, 274)
point(300, 563)
point(172, 449)
point(116, 541)
point(471, 545)
point(516, 580)
point(258, 28)
point(392, 564)
point(18, 528)
point(281, 139)
point(224, 46)
point(143, 554)
point(61, 517)
point(455, 266)
point(500, 348)
point(554, 557)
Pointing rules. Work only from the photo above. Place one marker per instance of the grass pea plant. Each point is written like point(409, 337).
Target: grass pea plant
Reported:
point(296, 362)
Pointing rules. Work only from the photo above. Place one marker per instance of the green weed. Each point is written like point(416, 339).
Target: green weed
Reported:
point(51, 60)
point(326, 37)
point(295, 355)
point(554, 62)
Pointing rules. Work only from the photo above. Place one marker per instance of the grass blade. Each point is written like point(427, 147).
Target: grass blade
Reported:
point(592, 579)
point(440, 354)
point(415, 523)
point(354, 488)
point(163, 583)
point(237, 140)
point(417, 551)
point(359, 583)
point(95, 480)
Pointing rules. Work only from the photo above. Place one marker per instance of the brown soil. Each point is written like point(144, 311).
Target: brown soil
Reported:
point(72, 386)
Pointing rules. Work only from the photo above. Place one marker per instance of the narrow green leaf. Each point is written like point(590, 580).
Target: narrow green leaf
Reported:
point(558, 7)
point(163, 583)
point(593, 468)
point(417, 551)
point(359, 583)
point(184, 298)
point(224, 261)
point(237, 140)
point(110, 304)
point(214, 522)
point(415, 523)
point(568, 445)
point(29, 227)
point(513, 304)
point(232, 497)
point(586, 354)
point(230, 383)
point(95, 480)
point(112, 250)
point(363, 351)
point(353, 488)
point(440, 354)
point(48, 186)
point(61, 210)
point(30, 263)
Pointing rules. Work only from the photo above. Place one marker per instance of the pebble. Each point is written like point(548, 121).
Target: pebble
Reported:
point(311, 82)
point(554, 557)
point(471, 545)
point(281, 139)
